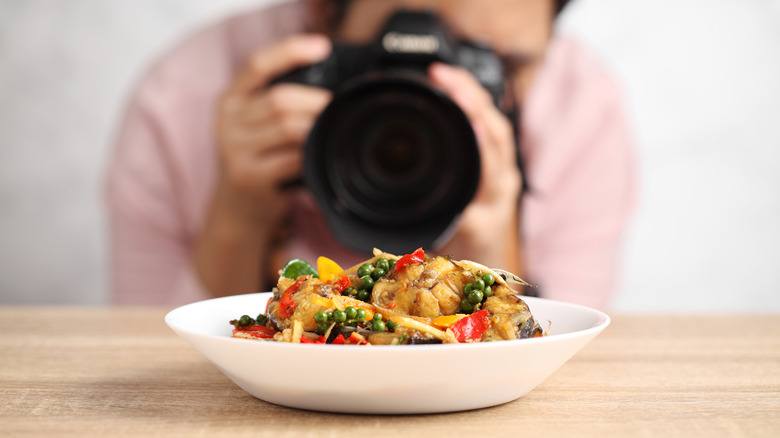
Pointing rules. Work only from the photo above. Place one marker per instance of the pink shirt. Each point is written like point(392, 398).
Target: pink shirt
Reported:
point(159, 183)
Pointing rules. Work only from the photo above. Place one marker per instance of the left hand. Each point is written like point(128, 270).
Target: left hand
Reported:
point(488, 230)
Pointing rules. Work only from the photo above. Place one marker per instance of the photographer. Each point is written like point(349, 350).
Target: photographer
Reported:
point(198, 194)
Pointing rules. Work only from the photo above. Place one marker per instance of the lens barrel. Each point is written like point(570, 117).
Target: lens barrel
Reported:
point(392, 162)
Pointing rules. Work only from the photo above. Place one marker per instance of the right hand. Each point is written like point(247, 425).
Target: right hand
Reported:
point(261, 130)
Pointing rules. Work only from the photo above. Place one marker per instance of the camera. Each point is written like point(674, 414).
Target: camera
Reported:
point(393, 161)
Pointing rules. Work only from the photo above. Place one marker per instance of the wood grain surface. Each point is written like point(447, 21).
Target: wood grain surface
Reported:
point(121, 372)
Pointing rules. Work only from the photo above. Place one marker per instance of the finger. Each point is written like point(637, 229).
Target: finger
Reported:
point(284, 100)
point(263, 66)
point(490, 125)
point(275, 169)
point(266, 138)
point(290, 132)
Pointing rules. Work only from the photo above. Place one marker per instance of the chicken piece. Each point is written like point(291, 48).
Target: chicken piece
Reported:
point(510, 318)
point(429, 289)
point(305, 305)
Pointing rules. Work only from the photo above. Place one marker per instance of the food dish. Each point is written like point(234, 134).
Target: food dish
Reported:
point(404, 379)
point(392, 300)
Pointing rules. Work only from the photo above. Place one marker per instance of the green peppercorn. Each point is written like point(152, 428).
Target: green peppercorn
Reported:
point(351, 312)
point(382, 263)
point(350, 291)
point(363, 295)
point(361, 315)
point(488, 291)
point(466, 306)
point(321, 317)
point(479, 284)
point(391, 268)
point(378, 273)
point(365, 269)
point(475, 297)
point(339, 316)
point(378, 326)
point(467, 289)
point(322, 327)
point(245, 320)
point(261, 319)
point(488, 278)
point(366, 282)
point(377, 317)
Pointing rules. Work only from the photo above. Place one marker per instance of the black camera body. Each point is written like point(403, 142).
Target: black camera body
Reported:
point(393, 161)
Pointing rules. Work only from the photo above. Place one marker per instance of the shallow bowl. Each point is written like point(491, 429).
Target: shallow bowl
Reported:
point(404, 379)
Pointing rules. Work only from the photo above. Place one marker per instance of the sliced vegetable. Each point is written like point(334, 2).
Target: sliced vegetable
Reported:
point(413, 324)
point(286, 303)
point(391, 325)
point(327, 269)
point(472, 326)
point(409, 259)
point(342, 283)
point(297, 332)
point(255, 332)
point(444, 322)
point(297, 267)
point(322, 301)
point(356, 339)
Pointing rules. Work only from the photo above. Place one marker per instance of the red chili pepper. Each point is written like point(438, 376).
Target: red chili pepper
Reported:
point(342, 283)
point(286, 303)
point(409, 259)
point(472, 326)
point(266, 331)
point(391, 305)
point(256, 331)
point(338, 340)
point(320, 340)
point(356, 339)
point(305, 340)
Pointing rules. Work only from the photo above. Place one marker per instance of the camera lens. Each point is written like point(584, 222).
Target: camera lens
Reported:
point(392, 162)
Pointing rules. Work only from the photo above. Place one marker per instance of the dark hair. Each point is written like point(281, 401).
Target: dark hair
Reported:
point(559, 5)
point(341, 7)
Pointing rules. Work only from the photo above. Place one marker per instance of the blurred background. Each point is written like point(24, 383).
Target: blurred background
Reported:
point(702, 89)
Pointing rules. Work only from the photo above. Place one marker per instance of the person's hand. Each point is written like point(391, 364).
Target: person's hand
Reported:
point(488, 228)
point(260, 131)
point(261, 128)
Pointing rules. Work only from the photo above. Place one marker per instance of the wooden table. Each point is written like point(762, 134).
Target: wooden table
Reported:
point(122, 372)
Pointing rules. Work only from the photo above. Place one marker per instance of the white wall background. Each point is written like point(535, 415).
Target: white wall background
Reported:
point(702, 83)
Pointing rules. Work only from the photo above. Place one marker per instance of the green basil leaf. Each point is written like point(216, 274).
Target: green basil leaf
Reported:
point(297, 267)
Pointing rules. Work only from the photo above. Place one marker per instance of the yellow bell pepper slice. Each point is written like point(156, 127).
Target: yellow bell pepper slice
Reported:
point(327, 269)
point(324, 302)
point(446, 321)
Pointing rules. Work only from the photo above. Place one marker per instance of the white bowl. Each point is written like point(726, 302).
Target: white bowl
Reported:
point(404, 379)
